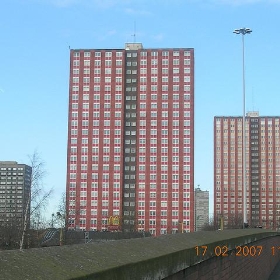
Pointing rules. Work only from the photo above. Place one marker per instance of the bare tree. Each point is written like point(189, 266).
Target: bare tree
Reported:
point(10, 233)
point(63, 218)
point(60, 220)
point(38, 196)
point(211, 225)
point(62, 210)
point(235, 221)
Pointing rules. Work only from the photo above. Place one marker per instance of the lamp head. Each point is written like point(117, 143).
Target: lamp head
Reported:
point(242, 31)
point(248, 30)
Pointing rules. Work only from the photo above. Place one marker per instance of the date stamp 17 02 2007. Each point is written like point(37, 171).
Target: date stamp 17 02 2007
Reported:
point(239, 251)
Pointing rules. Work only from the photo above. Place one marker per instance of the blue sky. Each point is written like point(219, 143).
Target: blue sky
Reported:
point(35, 36)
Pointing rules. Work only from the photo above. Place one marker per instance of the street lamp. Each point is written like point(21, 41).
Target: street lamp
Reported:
point(182, 226)
point(62, 218)
point(243, 31)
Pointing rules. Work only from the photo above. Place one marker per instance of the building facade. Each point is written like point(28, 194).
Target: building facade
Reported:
point(15, 187)
point(262, 170)
point(201, 200)
point(130, 139)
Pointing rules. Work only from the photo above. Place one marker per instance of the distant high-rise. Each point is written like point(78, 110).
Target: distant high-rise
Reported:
point(201, 201)
point(131, 139)
point(262, 170)
point(15, 183)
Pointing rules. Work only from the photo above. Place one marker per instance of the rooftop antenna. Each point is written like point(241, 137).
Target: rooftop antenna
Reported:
point(134, 34)
point(253, 99)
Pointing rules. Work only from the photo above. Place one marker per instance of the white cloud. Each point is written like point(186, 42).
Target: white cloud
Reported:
point(137, 12)
point(158, 37)
point(237, 2)
point(104, 4)
point(63, 3)
point(242, 2)
point(108, 34)
point(96, 3)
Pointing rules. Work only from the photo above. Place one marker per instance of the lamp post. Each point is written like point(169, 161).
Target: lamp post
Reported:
point(181, 224)
point(243, 31)
point(62, 218)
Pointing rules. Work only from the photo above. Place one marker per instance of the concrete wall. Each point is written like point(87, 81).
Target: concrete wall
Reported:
point(52, 237)
point(236, 264)
point(178, 256)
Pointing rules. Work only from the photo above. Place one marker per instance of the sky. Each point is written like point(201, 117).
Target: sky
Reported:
point(35, 37)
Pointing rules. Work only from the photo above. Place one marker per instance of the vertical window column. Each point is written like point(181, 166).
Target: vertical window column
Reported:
point(130, 142)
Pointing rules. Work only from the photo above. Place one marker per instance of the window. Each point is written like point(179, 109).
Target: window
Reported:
point(154, 71)
point(118, 70)
point(143, 87)
point(76, 63)
point(154, 62)
point(143, 62)
point(175, 61)
point(153, 114)
point(85, 97)
point(108, 63)
point(87, 63)
point(187, 61)
point(153, 87)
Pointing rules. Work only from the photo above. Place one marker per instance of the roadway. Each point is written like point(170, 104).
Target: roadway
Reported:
point(275, 275)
